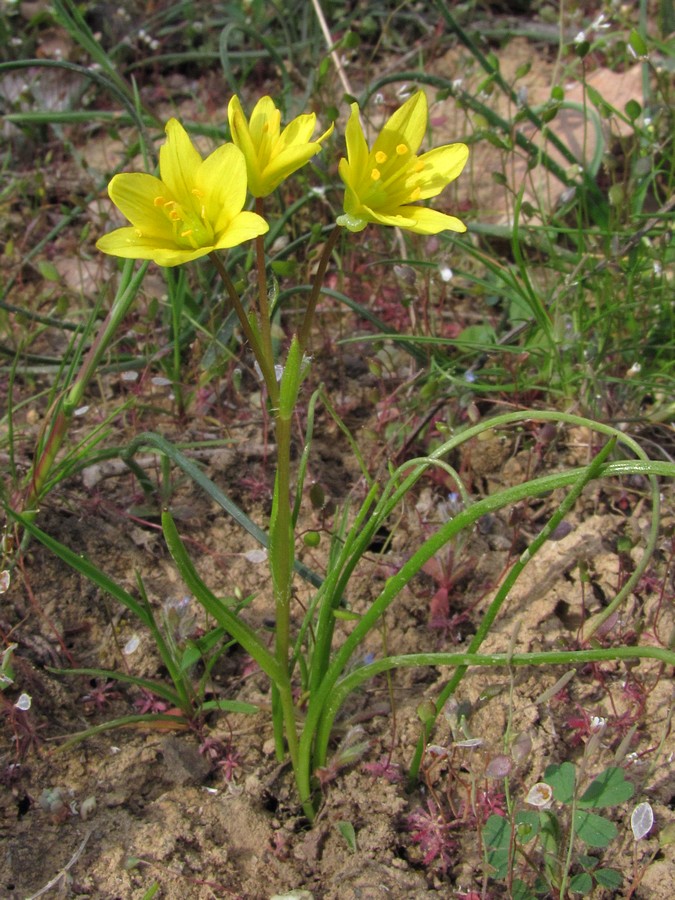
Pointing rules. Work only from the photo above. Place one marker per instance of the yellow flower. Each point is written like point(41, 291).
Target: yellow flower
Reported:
point(272, 154)
point(382, 182)
point(193, 208)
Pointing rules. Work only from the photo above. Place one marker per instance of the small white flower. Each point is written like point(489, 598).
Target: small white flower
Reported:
point(641, 821)
point(580, 38)
point(598, 723)
point(446, 273)
point(24, 702)
point(131, 645)
point(256, 556)
point(600, 23)
point(540, 795)
point(278, 371)
point(469, 743)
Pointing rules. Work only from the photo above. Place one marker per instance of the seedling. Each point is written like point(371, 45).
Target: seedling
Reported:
point(552, 841)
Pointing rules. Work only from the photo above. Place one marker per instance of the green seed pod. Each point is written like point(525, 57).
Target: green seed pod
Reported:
point(312, 539)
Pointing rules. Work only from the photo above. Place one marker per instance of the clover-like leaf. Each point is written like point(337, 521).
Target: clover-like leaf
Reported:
point(562, 779)
point(609, 789)
point(594, 830)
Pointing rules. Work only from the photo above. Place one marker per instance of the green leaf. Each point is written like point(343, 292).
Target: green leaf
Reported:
point(497, 838)
point(550, 839)
point(594, 830)
point(562, 779)
point(608, 878)
point(527, 825)
point(633, 109)
point(608, 789)
point(346, 829)
point(190, 657)
point(231, 706)
point(582, 49)
point(478, 335)
point(521, 891)
point(290, 380)
point(351, 40)
point(638, 44)
point(48, 271)
point(581, 883)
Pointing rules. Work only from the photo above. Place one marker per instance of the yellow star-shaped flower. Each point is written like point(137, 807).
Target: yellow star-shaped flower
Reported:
point(192, 209)
point(381, 183)
point(272, 154)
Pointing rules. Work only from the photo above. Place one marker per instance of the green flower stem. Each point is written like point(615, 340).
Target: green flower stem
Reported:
point(263, 304)
point(61, 412)
point(266, 363)
point(306, 328)
point(281, 541)
point(282, 550)
point(281, 557)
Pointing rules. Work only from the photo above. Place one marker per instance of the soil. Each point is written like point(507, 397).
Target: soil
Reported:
point(112, 816)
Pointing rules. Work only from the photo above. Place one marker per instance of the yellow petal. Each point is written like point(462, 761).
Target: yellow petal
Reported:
point(298, 131)
point(128, 244)
point(430, 221)
point(135, 195)
point(287, 162)
point(221, 185)
point(179, 162)
point(441, 166)
point(357, 148)
point(406, 126)
point(244, 227)
point(265, 122)
point(242, 138)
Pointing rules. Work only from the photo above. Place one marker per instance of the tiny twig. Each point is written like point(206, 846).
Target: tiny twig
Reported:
point(64, 871)
point(330, 43)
